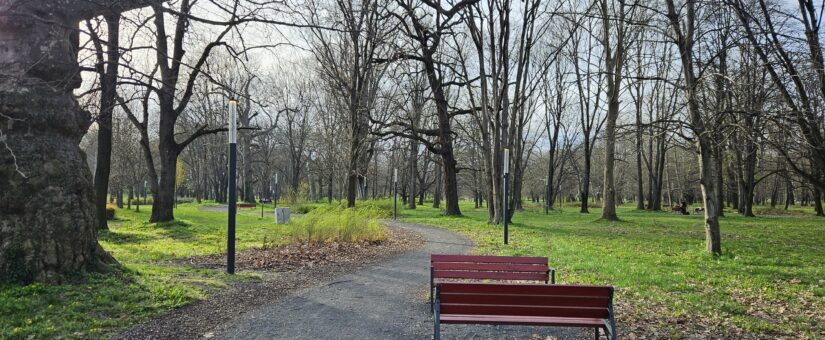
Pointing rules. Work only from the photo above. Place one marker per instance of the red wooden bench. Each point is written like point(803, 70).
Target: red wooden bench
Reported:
point(524, 304)
point(486, 267)
point(247, 205)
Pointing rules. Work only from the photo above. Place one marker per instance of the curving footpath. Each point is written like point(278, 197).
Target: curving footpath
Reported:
point(384, 301)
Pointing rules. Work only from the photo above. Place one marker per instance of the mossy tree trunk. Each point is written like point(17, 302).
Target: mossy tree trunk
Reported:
point(48, 225)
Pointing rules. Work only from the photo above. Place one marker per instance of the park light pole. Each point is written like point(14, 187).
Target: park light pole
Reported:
point(395, 194)
point(504, 198)
point(312, 157)
point(233, 149)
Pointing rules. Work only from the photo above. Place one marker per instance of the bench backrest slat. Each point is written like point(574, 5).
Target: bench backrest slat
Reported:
point(513, 310)
point(481, 267)
point(487, 259)
point(459, 274)
point(524, 289)
point(509, 267)
point(524, 299)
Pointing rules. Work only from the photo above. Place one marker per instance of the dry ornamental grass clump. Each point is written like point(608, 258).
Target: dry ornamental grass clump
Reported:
point(343, 225)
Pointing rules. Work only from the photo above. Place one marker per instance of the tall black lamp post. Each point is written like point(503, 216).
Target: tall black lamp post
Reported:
point(504, 197)
point(233, 150)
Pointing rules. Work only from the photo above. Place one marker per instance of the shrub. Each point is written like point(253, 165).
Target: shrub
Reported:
point(335, 224)
point(110, 212)
point(294, 196)
point(139, 201)
point(304, 209)
point(381, 208)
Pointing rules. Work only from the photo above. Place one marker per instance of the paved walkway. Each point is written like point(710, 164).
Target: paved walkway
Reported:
point(385, 301)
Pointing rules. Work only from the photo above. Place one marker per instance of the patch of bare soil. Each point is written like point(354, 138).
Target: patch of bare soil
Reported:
point(285, 269)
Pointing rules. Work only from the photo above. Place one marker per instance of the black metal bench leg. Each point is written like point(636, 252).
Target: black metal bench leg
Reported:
point(437, 318)
point(597, 334)
point(431, 289)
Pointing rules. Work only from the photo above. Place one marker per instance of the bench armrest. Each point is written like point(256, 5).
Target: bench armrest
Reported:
point(610, 323)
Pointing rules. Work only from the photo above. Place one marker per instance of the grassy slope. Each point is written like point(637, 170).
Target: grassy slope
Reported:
point(771, 272)
point(151, 284)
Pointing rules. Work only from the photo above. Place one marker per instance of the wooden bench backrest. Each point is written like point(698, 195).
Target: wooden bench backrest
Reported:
point(489, 267)
point(525, 300)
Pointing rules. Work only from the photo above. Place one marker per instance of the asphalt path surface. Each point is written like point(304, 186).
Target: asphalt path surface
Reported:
point(388, 300)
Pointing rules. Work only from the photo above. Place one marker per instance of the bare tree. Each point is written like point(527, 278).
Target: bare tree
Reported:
point(614, 60)
point(345, 62)
point(425, 37)
point(776, 52)
point(683, 30)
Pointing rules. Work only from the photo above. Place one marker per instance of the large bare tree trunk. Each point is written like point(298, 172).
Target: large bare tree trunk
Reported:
point(164, 197)
point(818, 202)
point(47, 215)
point(614, 63)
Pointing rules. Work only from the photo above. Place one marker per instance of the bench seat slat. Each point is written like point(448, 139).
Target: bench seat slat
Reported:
point(528, 310)
point(523, 289)
point(506, 267)
point(460, 274)
point(520, 299)
point(487, 259)
point(521, 320)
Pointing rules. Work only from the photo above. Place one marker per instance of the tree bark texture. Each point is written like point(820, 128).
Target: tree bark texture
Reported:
point(48, 226)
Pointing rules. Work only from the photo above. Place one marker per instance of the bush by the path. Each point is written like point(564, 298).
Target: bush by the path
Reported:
point(336, 224)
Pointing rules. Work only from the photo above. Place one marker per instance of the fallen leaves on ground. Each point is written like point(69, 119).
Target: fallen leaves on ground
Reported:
point(301, 255)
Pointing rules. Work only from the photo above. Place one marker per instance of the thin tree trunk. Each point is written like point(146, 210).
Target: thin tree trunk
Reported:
point(413, 173)
point(438, 186)
point(108, 85)
point(585, 194)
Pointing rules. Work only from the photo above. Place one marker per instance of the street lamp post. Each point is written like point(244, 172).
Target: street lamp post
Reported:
point(504, 198)
point(394, 194)
point(312, 157)
point(233, 150)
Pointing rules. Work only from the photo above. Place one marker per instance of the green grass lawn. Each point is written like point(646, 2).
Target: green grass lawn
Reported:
point(770, 279)
point(150, 284)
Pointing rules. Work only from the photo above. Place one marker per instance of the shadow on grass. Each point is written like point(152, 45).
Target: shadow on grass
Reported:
point(178, 229)
point(122, 238)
